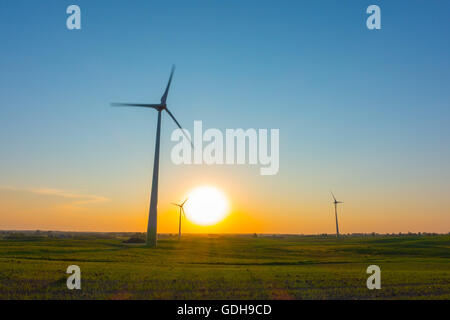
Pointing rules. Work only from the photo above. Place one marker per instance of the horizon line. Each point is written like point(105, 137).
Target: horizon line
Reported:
point(227, 233)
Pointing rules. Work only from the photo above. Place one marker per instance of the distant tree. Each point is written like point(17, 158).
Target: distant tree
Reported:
point(134, 240)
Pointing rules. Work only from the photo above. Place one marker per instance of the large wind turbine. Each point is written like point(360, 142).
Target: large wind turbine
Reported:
point(335, 213)
point(153, 212)
point(181, 206)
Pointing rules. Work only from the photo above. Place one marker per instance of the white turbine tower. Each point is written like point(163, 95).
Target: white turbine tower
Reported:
point(335, 213)
point(153, 212)
point(181, 206)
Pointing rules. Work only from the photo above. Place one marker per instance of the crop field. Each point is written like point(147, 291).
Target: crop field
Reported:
point(227, 267)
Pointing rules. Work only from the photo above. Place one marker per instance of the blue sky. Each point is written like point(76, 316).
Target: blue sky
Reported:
point(363, 112)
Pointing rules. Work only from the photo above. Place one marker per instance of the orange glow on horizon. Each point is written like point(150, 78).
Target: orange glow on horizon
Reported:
point(249, 212)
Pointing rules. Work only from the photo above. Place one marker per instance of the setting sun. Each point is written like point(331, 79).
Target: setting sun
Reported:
point(206, 206)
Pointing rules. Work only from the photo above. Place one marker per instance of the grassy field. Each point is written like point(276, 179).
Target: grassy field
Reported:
point(227, 267)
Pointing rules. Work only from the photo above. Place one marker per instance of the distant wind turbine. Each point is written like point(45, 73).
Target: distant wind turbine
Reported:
point(181, 206)
point(335, 213)
point(153, 212)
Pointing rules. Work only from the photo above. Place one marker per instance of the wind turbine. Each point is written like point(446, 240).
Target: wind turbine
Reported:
point(181, 206)
point(153, 212)
point(335, 213)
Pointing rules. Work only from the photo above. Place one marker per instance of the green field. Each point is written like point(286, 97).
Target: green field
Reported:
point(227, 267)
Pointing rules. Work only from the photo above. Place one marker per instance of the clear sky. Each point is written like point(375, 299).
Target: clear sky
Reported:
point(364, 113)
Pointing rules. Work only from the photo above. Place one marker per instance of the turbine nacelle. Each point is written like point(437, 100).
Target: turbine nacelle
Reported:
point(159, 107)
point(334, 199)
point(180, 205)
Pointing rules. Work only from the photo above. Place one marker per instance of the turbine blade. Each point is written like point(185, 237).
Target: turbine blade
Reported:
point(184, 202)
point(179, 126)
point(333, 196)
point(141, 105)
point(166, 93)
point(176, 204)
point(184, 214)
